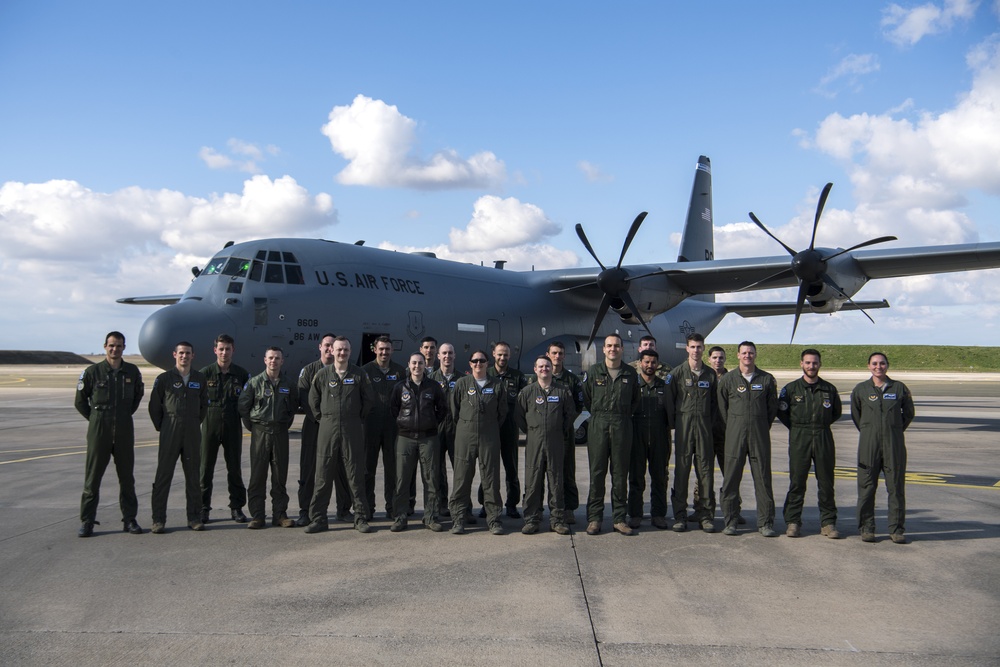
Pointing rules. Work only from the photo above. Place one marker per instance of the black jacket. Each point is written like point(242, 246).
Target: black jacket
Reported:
point(418, 409)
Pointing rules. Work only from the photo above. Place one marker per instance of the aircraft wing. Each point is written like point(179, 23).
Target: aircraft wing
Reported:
point(161, 300)
point(768, 309)
point(896, 262)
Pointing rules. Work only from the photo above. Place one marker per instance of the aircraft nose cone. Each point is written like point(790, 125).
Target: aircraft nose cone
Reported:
point(193, 321)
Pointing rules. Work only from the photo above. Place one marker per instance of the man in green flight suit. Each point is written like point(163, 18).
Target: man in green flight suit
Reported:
point(478, 408)
point(651, 444)
point(268, 406)
point(545, 412)
point(380, 427)
point(177, 406)
point(510, 382)
point(107, 395)
point(339, 399)
point(748, 403)
point(881, 408)
point(567, 378)
point(222, 428)
point(809, 406)
point(693, 388)
point(611, 394)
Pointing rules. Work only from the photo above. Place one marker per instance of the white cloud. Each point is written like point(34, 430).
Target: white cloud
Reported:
point(69, 252)
point(847, 74)
point(243, 156)
point(502, 229)
point(380, 144)
point(502, 223)
point(593, 173)
point(907, 26)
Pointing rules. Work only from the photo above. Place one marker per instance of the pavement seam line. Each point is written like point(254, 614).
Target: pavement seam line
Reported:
point(586, 600)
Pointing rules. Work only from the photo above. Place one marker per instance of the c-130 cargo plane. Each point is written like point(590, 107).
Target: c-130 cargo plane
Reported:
point(289, 292)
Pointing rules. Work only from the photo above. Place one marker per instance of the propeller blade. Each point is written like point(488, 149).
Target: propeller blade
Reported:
point(627, 298)
point(829, 281)
point(819, 212)
point(799, 302)
point(631, 235)
point(761, 225)
point(586, 244)
point(784, 273)
point(602, 311)
point(881, 239)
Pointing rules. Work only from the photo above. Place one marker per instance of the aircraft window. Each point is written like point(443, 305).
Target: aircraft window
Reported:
point(293, 274)
point(261, 254)
point(257, 269)
point(274, 274)
point(273, 256)
point(289, 257)
point(235, 288)
point(236, 267)
point(214, 267)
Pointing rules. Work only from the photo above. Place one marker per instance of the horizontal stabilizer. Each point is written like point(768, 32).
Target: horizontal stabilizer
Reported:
point(769, 309)
point(161, 300)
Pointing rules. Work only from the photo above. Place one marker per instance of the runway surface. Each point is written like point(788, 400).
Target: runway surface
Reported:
point(279, 596)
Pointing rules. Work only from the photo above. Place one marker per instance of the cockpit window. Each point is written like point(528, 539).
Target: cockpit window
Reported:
point(261, 255)
point(274, 274)
point(258, 268)
point(236, 267)
point(273, 256)
point(289, 257)
point(214, 267)
point(293, 274)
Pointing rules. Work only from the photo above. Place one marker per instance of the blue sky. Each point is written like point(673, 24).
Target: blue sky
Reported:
point(137, 138)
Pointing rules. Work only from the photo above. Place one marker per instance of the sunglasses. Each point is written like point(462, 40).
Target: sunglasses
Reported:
point(478, 361)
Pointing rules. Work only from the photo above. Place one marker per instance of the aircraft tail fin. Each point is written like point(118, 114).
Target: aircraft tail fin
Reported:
point(697, 241)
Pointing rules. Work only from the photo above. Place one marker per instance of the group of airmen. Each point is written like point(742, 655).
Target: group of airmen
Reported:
point(429, 412)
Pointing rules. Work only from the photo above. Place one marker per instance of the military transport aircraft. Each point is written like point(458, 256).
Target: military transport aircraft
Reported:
point(289, 292)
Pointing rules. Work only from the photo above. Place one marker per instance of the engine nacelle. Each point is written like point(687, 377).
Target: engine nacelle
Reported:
point(845, 272)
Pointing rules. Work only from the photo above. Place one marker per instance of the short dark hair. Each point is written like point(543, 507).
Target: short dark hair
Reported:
point(477, 351)
point(275, 348)
point(541, 357)
point(328, 335)
point(499, 343)
point(647, 337)
point(115, 334)
point(696, 337)
point(747, 343)
point(338, 339)
point(184, 343)
point(557, 343)
point(224, 338)
point(621, 341)
point(649, 353)
point(428, 339)
point(878, 354)
point(715, 348)
point(810, 351)
point(382, 339)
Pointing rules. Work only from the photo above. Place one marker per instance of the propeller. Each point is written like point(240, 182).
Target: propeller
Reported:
point(809, 266)
point(613, 281)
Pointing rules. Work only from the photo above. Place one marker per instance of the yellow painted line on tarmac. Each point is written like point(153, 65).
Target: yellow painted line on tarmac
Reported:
point(12, 380)
point(55, 456)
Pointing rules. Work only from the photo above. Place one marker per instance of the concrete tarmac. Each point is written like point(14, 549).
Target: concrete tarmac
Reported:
point(279, 596)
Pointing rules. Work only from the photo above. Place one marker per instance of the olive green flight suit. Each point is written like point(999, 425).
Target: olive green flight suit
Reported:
point(571, 492)
point(509, 383)
point(650, 447)
point(748, 409)
point(177, 410)
point(380, 434)
point(307, 451)
point(478, 413)
point(107, 399)
point(446, 436)
point(611, 403)
point(881, 416)
point(340, 405)
point(222, 428)
point(546, 416)
point(809, 410)
point(268, 409)
point(696, 410)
